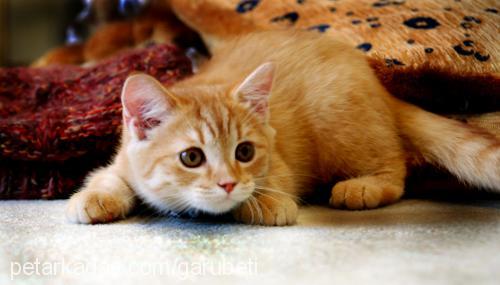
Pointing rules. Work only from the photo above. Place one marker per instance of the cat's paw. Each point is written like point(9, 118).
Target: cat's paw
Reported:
point(363, 193)
point(91, 207)
point(104, 198)
point(267, 211)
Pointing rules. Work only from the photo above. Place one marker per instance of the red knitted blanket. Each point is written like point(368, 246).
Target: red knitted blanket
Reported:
point(58, 123)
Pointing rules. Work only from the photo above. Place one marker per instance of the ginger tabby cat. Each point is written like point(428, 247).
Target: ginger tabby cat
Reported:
point(270, 116)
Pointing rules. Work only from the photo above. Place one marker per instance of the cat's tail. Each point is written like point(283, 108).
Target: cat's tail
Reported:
point(468, 152)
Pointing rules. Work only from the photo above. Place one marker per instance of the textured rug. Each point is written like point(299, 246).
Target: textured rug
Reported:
point(413, 242)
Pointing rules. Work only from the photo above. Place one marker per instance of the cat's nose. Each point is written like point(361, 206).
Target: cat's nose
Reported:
point(227, 186)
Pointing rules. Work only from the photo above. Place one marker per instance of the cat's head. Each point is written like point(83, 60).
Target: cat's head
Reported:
point(200, 147)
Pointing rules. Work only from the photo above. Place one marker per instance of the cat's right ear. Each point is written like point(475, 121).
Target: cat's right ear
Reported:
point(256, 88)
point(145, 104)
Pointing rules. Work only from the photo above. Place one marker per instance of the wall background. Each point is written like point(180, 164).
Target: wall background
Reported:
point(28, 28)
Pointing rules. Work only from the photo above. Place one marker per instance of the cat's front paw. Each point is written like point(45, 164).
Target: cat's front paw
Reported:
point(267, 211)
point(90, 207)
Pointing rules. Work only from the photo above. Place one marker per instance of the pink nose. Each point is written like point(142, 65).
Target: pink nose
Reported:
point(227, 186)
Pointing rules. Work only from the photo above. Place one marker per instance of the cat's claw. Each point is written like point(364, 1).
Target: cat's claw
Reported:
point(267, 211)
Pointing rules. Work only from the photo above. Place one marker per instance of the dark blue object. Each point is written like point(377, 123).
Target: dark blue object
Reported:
point(421, 23)
point(365, 47)
point(292, 17)
point(247, 6)
point(321, 28)
point(130, 8)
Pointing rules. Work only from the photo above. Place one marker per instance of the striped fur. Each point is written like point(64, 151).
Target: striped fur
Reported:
point(315, 112)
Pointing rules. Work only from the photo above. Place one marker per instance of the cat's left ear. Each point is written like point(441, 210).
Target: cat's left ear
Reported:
point(256, 88)
point(145, 104)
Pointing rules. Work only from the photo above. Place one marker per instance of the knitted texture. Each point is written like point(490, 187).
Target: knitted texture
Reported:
point(58, 123)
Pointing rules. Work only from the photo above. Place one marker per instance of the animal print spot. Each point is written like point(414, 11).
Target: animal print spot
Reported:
point(414, 9)
point(365, 47)
point(381, 3)
point(333, 9)
point(292, 17)
point(461, 51)
point(350, 13)
point(421, 23)
point(375, 25)
point(469, 50)
point(491, 10)
point(481, 57)
point(468, 43)
point(301, 1)
point(469, 21)
point(247, 6)
point(466, 25)
point(447, 9)
point(372, 19)
point(390, 62)
point(467, 35)
point(356, 22)
point(472, 19)
point(320, 28)
point(410, 41)
point(428, 50)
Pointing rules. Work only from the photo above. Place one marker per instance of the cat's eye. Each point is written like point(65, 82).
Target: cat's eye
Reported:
point(245, 151)
point(192, 157)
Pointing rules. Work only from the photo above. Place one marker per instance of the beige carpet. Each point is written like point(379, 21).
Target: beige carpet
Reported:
point(413, 242)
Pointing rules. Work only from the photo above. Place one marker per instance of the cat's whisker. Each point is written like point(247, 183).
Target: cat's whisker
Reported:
point(170, 196)
point(294, 197)
point(258, 208)
point(275, 191)
point(268, 195)
point(287, 175)
point(179, 204)
point(255, 202)
point(249, 203)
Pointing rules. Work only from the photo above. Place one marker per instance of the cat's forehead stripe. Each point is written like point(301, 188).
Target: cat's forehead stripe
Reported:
point(205, 120)
point(237, 127)
point(200, 134)
point(219, 121)
point(228, 121)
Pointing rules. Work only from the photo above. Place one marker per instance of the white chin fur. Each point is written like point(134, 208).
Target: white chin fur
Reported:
point(221, 207)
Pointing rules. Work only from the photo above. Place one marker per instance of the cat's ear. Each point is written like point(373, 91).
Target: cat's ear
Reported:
point(256, 88)
point(145, 104)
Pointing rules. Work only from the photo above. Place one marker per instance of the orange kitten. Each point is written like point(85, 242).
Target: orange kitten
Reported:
point(269, 117)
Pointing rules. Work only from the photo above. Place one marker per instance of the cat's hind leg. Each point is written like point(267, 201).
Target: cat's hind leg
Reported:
point(374, 166)
point(366, 192)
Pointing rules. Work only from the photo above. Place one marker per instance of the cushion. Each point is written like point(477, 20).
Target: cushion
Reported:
point(57, 123)
point(156, 24)
point(441, 55)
